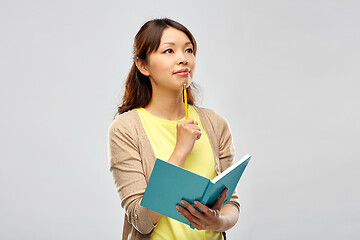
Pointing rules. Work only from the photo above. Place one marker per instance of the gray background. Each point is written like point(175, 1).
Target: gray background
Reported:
point(285, 74)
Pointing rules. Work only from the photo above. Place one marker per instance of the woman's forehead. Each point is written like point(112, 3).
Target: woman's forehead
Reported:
point(172, 36)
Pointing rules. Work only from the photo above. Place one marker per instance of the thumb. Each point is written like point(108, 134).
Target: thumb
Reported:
point(220, 201)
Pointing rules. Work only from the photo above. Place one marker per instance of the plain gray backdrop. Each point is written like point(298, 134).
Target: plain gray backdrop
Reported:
point(285, 74)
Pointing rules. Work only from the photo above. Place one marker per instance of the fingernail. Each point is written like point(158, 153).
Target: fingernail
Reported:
point(182, 202)
point(177, 208)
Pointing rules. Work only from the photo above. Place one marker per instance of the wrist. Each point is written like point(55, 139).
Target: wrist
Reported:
point(222, 223)
point(177, 157)
point(228, 217)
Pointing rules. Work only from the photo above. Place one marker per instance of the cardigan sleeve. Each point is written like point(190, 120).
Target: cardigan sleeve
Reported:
point(226, 153)
point(126, 168)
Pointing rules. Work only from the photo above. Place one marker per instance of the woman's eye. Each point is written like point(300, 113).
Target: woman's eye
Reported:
point(189, 50)
point(168, 51)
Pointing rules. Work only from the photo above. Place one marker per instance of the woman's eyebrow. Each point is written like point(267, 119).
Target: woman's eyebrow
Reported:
point(172, 43)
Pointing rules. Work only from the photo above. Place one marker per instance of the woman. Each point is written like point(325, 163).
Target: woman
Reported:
point(151, 124)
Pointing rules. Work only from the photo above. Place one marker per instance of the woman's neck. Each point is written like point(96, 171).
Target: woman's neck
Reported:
point(167, 105)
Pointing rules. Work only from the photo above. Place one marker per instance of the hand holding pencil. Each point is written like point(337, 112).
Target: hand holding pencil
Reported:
point(187, 133)
point(198, 135)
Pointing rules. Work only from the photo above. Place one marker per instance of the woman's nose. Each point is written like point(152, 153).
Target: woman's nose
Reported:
point(182, 59)
point(183, 62)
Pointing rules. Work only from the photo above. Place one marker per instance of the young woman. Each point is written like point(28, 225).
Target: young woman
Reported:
point(151, 124)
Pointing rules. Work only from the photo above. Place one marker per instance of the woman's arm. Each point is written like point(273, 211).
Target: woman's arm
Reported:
point(226, 154)
point(126, 168)
point(154, 216)
point(230, 214)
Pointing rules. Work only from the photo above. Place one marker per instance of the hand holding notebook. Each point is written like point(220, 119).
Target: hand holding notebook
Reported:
point(201, 216)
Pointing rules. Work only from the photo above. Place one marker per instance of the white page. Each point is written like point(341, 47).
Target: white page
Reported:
point(218, 177)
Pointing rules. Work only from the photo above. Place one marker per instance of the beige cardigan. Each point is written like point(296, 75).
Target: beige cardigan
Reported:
point(132, 159)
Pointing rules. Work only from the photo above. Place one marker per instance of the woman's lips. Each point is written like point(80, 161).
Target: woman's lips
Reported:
point(183, 72)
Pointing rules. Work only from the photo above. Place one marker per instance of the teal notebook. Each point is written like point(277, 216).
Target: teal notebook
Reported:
point(169, 184)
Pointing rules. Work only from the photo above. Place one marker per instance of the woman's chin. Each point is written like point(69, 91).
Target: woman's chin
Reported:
point(187, 82)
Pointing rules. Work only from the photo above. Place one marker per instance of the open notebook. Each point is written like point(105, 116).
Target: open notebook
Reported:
point(169, 184)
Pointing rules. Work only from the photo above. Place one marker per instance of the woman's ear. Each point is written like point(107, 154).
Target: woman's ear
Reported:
point(140, 64)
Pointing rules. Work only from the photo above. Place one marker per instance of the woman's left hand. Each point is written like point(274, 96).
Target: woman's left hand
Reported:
point(209, 219)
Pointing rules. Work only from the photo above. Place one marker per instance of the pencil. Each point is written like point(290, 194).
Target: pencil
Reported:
point(185, 102)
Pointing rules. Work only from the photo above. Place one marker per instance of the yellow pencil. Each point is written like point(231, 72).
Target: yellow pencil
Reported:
point(185, 102)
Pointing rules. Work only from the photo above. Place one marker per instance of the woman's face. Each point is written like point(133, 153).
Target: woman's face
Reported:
point(173, 63)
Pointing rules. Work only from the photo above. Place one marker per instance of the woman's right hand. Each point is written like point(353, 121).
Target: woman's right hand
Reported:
point(188, 131)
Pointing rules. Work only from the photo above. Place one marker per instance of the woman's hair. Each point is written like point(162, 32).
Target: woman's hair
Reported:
point(138, 89)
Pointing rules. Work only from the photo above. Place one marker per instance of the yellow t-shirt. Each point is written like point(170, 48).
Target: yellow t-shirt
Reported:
point(162, 136)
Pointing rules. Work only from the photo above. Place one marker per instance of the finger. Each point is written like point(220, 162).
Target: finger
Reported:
point(192, 210)
point(202, 207)
point(188, 124)
point(198, 136)
point(192, 219)
point(185, 122)
point(197, 133)
point(189, 121)
point(197, 226)
point(219, 202)
point(193, 128)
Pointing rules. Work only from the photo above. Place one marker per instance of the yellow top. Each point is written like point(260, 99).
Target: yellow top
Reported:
point(162, 136)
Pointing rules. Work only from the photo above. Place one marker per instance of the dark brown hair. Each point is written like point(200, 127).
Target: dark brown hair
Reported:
point(138, 89)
